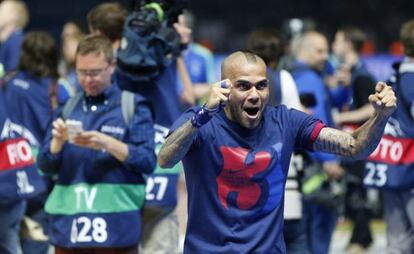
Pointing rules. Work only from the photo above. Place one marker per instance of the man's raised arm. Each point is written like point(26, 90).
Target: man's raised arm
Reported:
point(362, 142)
point(179, 141)
point(176, 145)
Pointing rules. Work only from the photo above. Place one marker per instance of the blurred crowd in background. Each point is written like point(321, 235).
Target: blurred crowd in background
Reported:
point(332, 58)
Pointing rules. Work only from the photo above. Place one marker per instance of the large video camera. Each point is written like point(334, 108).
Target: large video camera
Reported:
point(149, 15)
point(149, 43)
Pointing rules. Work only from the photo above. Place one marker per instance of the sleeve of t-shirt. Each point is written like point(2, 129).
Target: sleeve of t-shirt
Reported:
point(307, 129)
point(183, 119)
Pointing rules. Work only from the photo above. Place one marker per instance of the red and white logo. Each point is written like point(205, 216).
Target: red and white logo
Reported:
point(17, 153)
point(394, 151)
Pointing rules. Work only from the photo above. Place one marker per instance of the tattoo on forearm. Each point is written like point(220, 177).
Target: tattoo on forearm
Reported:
point(369, 135)
point(359, 144)
point(334, 141)
point(177, 144)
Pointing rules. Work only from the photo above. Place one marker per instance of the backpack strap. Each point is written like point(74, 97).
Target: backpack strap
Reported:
point(127, 105)
point(70, 105)
point(7, 77)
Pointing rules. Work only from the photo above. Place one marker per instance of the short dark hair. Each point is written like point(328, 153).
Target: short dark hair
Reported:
point(356, 36)
point(407, 37)
point(266, 44)
point(39, 55)
point(96, 44)
point(108, 18)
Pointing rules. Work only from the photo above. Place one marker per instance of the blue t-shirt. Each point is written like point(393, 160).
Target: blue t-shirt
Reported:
point(10, 51)
point(235, 180)
point(200, 63)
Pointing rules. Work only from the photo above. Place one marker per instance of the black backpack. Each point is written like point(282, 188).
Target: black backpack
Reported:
point(148, 45)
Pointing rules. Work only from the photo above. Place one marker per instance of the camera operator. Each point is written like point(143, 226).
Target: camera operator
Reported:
point(160, 227)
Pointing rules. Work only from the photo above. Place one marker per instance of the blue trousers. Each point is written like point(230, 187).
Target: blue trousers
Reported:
point(399, 217)
point(10, 218)
point(294, 232)
point(320, 225)
point(30, 246)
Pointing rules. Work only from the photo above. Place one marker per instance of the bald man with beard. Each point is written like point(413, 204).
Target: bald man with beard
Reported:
point(236, 151)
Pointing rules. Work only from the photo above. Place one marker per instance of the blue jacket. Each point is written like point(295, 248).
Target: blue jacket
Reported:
point(12, 205)
point(162, 185)
point(94, 188)
point(392, 163)
point(28, 104)
point(309, 80)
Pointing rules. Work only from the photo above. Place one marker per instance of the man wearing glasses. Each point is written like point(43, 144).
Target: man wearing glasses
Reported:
point(99, 159)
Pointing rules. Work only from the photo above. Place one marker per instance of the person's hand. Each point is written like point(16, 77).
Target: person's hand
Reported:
point(384, 100)
point(60, 135)
point(339, 118)
point(184, 31)
point(219, 94)
point(333, 170)
point(60, 131)
point(93, 139)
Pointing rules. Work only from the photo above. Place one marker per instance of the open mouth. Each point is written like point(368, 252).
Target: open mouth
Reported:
point(252, 112)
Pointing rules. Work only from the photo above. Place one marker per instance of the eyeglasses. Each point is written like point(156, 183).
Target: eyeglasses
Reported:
point(93, 73)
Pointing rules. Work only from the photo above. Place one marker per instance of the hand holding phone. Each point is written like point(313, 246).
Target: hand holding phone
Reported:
point(74, 128)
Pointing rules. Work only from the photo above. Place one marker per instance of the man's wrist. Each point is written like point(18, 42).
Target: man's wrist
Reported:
point(203, 115)
point(56, 146)
point(380, 115)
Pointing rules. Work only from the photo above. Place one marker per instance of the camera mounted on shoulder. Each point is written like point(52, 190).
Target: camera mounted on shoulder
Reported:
point(149, 42)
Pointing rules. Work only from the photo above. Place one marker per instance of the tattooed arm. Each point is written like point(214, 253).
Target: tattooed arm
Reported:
point(364, 140)
point(177, 145)
point(179, 141)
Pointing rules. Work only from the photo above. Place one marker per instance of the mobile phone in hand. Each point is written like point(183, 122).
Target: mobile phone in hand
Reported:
point(74, 127)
